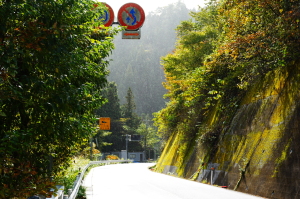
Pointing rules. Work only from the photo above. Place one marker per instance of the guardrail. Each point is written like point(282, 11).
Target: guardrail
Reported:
point(72, 193)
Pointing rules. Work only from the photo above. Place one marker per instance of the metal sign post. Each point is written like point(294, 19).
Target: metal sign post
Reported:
point(128, 138)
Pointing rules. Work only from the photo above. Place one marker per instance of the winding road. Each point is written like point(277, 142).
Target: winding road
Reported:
point(136, 181)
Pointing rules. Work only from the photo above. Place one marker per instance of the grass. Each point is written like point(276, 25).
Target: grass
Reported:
point(69, 176)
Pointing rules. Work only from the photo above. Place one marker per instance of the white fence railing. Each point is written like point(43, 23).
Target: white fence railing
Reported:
point(73, 193)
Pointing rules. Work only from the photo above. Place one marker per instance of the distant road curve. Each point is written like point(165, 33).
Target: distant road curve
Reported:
point(135, 181)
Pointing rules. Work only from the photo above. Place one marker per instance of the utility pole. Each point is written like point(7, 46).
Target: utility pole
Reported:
point(91, 148)
point(128, 138)
point(145, 141)
point(127, 146)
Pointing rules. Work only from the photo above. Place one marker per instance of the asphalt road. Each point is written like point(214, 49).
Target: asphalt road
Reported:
point(135, 181)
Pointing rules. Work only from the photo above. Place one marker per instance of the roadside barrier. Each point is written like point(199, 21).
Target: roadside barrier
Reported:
point(72, 193)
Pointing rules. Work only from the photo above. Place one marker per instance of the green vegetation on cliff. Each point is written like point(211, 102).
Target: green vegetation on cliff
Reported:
point(232, 83)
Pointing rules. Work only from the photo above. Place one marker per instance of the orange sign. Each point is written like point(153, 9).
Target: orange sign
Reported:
point(104, 123)
point(131, 34)
point(128, 34)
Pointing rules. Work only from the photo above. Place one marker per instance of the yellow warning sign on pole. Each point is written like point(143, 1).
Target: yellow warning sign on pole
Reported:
point(104, 123)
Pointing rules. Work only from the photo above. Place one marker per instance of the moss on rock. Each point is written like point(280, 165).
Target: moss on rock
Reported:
point(259, 146)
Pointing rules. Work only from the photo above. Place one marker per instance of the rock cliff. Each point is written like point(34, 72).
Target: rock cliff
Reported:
point(258, 153)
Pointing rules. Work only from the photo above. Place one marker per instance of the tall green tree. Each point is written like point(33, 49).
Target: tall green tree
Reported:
point(128, 111)
point(150, 139)
point(52, 70)
point(112, 107)
point(121, 124)
point(187, 77)
point(132, 121)
point(112, 140)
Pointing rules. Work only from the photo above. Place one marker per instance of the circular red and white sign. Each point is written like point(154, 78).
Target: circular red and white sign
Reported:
point(132, 16)
point(108, 16)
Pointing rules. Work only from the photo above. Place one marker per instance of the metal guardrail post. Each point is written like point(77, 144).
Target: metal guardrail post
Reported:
point(59, 193)
point(69, 192)
point(72, 193)
point(211, 175)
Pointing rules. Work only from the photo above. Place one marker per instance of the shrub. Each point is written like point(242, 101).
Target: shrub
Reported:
point(112, 157)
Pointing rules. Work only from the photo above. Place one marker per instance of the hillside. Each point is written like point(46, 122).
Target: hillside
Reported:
point(236, 109)
point(258, 152)
point(136, 63)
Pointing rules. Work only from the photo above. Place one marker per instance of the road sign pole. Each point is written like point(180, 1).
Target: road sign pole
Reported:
point(211, 175)
point(91, 149)
point(127, 146)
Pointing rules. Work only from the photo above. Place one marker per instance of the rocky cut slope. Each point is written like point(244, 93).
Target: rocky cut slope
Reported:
point(257, 153)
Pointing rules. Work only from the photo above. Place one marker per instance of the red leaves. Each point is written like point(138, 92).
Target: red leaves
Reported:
point(24, 177)
point(30, 35)
point(3, 74)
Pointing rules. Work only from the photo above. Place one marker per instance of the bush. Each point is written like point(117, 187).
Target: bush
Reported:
point(68, 177)
point(112, 157)
point(81, 193)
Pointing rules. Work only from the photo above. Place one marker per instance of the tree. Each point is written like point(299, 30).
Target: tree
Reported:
point(110, 141)
point(112, 107)
point(132, 120)
point(150, 139)
point(258, 37)
point(187, 77)
point(52, 70)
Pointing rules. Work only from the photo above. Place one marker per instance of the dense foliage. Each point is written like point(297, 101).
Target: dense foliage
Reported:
point(52, 68)
point(227, 47)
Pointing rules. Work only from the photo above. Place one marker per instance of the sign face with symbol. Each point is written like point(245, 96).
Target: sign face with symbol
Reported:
point(108, 16)
point(104, 123)
point(131, 15)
